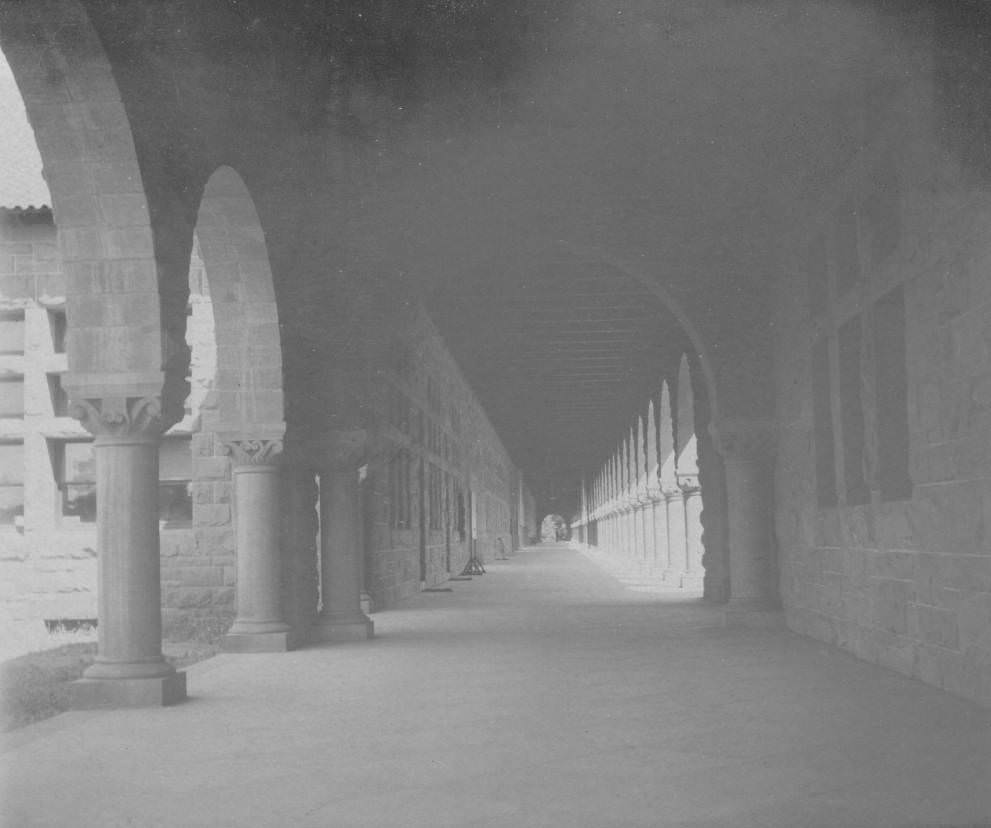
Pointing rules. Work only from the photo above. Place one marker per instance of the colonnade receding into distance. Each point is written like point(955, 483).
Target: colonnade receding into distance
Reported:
point(645, 503)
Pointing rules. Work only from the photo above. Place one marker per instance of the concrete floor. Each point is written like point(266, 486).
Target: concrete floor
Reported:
point(543, 693)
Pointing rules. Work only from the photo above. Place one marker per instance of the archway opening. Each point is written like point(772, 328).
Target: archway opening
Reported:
point(234, 394)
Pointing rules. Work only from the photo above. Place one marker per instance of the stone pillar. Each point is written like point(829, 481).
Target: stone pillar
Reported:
point(694, 574)
point(636, 531)
point(129, 670)
point(646, 529)
point(677, 547)
point(260, 624)
point(341, 618)
point(659, 557)
point(746, 451)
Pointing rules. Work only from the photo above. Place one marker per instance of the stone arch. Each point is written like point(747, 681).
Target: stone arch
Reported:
point(643, 465)
point(687, 473)
point(665, 437)
point(238, 528)
point(249, 389)
point(101, 213)
point(686, 444)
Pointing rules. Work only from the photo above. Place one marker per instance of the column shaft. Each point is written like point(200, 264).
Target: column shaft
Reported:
point(746, 448)
point(661, 544)
point(748, 530)
point(341, 618)
point(129, 669)
point(693, 539)
point(259, 625)
point(677, 547)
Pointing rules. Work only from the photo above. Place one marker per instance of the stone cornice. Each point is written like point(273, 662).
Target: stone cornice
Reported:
point(120, 418)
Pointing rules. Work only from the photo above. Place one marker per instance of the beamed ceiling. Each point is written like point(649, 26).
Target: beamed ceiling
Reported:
point(560, 358)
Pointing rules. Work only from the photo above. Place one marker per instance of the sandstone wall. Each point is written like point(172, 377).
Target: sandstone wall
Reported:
point(900, 579)
point(430, 416)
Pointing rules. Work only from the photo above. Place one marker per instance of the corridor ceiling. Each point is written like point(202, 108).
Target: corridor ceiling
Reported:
point(539, 170)
point(678, 138)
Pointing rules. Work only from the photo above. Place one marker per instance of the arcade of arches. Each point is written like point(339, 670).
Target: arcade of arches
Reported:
point(725, 310)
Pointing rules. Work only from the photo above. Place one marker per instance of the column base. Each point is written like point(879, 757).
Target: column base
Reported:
point(753, 613)
point(260, 642)
point(350, 629)
point(93, 693)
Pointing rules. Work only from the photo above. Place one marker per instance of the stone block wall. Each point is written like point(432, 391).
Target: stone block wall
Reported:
point(456, 438)
point(48, 565)
point(903, 581)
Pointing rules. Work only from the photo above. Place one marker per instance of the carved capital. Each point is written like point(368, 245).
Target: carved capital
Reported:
point(688, 483)
point(743, 440)
point(668, 486)
point(249, 452)
point(120, 417)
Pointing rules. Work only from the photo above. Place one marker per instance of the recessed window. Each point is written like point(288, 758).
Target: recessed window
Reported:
point(12, 332)
point(57, 325)
point(400, 498)
point(883, 212)
point(434, 496)
point(12, 396)
point(817, 276)
point(892, 396)
point(825, 457)
point(60, 399)
point(11, 482)
point(846, 257)
point(852, 413)
point(74, 465)
point(175, 473)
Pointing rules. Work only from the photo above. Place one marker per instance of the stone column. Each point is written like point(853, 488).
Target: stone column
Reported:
point(746, 450)
point(129, 670)
point(659, 558)
point(677, 548)
point(636, 531)
point(260, 624)
point(692, 495)
point(646, 527)
point(341, 618)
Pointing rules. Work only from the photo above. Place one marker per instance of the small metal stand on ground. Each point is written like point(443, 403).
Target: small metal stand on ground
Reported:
point(474, 565)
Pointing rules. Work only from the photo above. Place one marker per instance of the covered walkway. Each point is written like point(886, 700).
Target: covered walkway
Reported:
point(543, 693)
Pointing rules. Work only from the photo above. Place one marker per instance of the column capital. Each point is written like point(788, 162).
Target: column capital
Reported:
point(119, 417)
point(743, 439)
point(248, 451)
point(688, 482)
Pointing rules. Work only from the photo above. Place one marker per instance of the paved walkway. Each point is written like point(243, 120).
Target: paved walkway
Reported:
point(543, 693)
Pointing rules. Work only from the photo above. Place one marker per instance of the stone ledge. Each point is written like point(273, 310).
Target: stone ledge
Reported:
point(160, 691)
